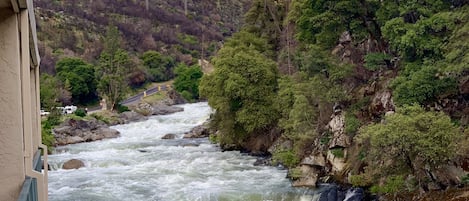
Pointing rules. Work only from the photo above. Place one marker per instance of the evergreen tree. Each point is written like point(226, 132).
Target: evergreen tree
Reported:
point(114, 64)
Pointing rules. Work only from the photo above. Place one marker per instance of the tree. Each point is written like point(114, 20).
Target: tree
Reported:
point(80, 77)
point(187, 81)
point(241, 89)
point(49, 91)
point(159, 66)
point(114, 64)
point(409, 140)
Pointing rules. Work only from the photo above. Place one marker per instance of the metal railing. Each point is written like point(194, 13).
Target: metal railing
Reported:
point(29, 191)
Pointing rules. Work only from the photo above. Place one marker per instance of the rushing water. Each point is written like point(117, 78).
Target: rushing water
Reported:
point(141, 166)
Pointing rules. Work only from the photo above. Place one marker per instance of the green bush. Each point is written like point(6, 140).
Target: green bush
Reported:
point(338, 152)
point(80, 112)
point(122, 108)
point(362, 180)
point(213, 138)
point(421, 85)
point(410, 137)
point(393, 184)
point(286, 157)
point(465, 180)
point(187, 95)
point(295, 173)
point(375, 61)
point(352, 123)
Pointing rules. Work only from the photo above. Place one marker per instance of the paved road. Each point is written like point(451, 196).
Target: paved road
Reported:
point(137, 97)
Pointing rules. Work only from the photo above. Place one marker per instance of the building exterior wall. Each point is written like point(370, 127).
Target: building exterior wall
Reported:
point(11, 139)
point(20, 126)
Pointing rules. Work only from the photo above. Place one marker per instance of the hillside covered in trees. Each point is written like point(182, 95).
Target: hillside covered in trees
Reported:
point(142, 41)
point(365, 93)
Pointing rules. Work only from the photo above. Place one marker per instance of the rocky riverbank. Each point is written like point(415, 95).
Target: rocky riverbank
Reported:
point(96, 127)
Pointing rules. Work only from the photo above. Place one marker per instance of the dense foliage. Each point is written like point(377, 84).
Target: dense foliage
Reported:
point(159, 67)
point(343, 57)
point(413, 139)
point(114, 66)
point(80, 77)
point(187, 81)
point(242, 88)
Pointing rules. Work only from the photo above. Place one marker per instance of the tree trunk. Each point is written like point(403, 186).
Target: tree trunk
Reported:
point(185, 7)
point(147, 4)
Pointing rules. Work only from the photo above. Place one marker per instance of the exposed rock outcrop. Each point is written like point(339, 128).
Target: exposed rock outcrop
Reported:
point(73, 164)
point(198, 132)
point(337, 127)
point(75, 131)
point(382, 102)
point(162, 109)
point(175, 98)
point(131, 116)
point(309, 177)
point(169, 136)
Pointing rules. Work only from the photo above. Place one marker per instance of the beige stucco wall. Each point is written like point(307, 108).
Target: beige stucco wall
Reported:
point(11, 133)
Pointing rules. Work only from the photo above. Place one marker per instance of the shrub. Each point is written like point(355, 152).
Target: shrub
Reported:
point(286, 157)
point(393, 184)
point(295, 173)
point(376, 60)
point(80, 112)
point(338, 152)
point(122, 108)
point(361, 180)
point(465, 180)
point(410, 137)
point(352, 123)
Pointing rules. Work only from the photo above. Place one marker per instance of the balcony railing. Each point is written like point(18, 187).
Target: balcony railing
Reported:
point(29, 191)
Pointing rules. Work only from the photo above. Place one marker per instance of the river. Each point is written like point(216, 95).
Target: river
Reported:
point(141, 166)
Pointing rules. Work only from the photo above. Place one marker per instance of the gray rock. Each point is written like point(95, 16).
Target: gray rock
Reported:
point(169, 136)
point(308, 178)
point(131, 116)
point(314, 159)
point(337, 127)
point(76, 131)
point(73, 164)
point(162, 109)
point(144, 109)
point(198, 132)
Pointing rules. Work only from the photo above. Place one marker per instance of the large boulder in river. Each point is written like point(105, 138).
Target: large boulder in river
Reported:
point(73, 164)
point(131, 116)
point(169, 136)
point(75, 131)
point(162, 109)
point(198, 132)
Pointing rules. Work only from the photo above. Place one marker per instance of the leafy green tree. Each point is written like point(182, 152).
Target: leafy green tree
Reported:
point(159, 66)
point(241, 89)
point(187, 81)
point(49, 91)
point(114, 65)
point(421, 85)
point(409, 140)
point(80, 77)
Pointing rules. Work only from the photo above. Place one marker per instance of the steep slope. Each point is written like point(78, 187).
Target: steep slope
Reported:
point(183, 29)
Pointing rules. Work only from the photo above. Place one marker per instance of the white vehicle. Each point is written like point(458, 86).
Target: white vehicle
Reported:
point(70, 109)
point(44, 113)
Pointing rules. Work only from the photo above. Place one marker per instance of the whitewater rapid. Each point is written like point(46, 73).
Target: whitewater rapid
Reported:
point(141, 166)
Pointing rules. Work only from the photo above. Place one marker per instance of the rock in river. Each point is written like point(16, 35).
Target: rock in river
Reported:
point(73, 164)
point(75, 131)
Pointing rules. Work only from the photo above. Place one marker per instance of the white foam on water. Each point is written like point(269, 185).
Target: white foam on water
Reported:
point(118, 169)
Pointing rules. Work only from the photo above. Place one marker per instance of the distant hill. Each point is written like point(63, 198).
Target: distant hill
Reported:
point(76, 28)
